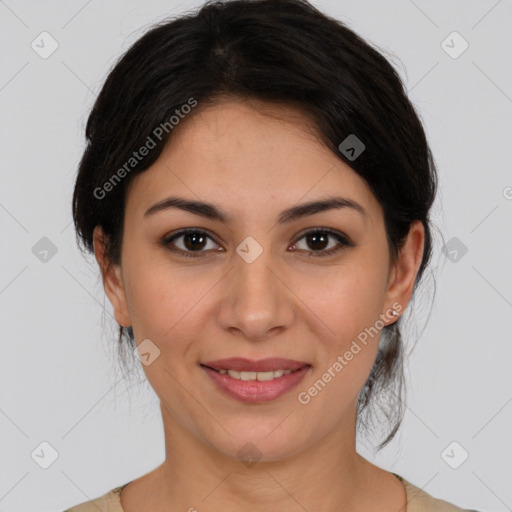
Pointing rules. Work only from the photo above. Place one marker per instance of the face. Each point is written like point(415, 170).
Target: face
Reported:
point(312, 286)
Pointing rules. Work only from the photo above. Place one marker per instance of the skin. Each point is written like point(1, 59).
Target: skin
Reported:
point(255, 160)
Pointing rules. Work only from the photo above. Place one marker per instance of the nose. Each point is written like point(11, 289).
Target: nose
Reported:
point(256, 302)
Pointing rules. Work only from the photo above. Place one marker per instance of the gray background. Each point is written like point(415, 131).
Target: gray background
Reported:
point(59, 381)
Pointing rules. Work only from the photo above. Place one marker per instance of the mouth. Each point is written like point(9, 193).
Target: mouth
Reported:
point(255, 381)
point(249, 376)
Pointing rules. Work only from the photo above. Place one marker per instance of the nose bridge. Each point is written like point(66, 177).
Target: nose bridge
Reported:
point(253, 272)
point(257, 301)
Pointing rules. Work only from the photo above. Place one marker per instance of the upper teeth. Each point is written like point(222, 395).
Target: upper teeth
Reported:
point(256, 375)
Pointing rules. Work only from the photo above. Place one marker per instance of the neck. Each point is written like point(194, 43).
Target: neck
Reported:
point(195, 474)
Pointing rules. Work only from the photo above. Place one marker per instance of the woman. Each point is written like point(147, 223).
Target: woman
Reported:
point(256, 190)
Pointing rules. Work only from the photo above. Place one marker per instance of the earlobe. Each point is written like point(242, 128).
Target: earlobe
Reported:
point(405, 270)
point(112, 279)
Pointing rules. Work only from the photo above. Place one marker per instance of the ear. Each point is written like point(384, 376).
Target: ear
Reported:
point(404, 270)
point(112, 279)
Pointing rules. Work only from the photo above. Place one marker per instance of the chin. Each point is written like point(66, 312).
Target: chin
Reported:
point(251, 444)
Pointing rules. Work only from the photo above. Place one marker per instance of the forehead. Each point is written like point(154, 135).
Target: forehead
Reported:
point(239, 154)
point(234, 131)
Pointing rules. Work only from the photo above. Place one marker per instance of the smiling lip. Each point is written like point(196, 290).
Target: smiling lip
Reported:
point(254, 391)
point(241, 364)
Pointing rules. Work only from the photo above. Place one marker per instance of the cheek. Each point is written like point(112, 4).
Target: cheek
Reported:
point(348, 355)
point(350, 297)
point(165, 304)
point(351, 303)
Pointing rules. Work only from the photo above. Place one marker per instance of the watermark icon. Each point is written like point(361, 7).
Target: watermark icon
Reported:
point(507, 192)
point(146, 352)
point(249, 454)
point(249, 249)
point(454, 249)
point(44, 45)
point(138, 156)
point(454, 45)
point(304, 397)
point(454, 455)
point(44, 250)
point(44, 455)
point(351, 147)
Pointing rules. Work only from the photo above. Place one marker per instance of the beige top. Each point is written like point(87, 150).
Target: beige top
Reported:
point(417, 501)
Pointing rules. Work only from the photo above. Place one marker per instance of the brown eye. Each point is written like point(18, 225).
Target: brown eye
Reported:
point(318, 242)
point(188, 242)
point(195, 243)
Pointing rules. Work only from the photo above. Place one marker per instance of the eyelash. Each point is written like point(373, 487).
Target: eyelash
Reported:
point(343, 240)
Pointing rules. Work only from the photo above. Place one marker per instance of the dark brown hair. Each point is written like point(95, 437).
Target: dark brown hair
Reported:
point(283, 51)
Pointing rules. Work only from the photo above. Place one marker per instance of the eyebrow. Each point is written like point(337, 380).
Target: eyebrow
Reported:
point(213, 212)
